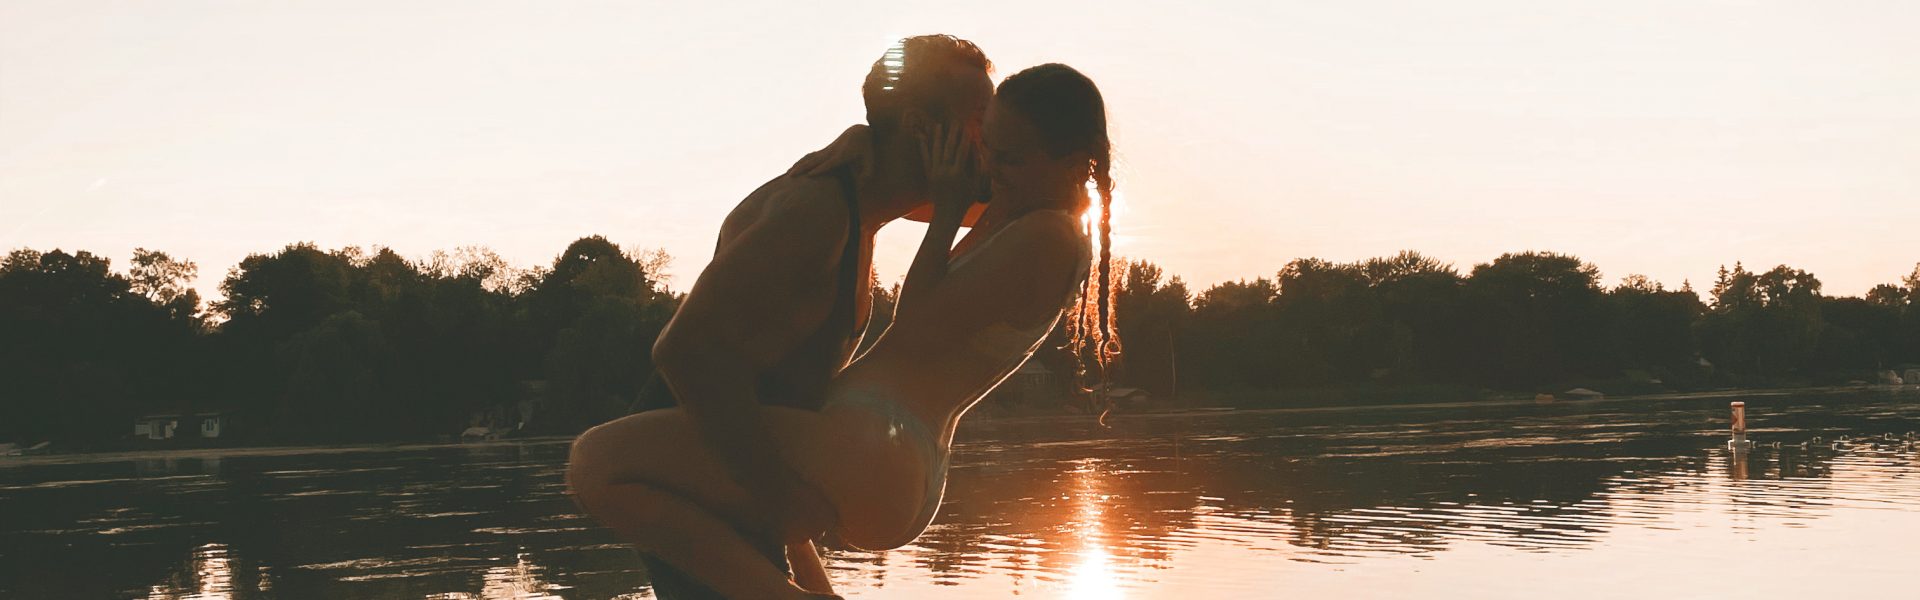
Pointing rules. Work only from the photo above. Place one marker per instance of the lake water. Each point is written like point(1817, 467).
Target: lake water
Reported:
point(1616, 499)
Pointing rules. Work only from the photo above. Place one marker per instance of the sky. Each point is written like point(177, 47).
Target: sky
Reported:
point(1655, 137)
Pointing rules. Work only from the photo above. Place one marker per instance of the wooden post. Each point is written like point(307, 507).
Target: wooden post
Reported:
point(1739, 443)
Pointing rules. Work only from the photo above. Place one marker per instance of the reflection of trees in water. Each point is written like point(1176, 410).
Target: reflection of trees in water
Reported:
point(458, 521)
point(1151, 508)
point(1046, 500)
point(1372, 498)
point(1342, 484)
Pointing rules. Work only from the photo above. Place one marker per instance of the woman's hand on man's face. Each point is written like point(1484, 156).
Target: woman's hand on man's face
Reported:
point(953, 176)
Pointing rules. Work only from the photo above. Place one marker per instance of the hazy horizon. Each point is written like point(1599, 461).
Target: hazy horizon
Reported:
point(1643, 137)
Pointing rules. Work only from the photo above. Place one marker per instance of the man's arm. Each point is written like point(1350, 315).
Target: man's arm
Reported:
point(761, 295)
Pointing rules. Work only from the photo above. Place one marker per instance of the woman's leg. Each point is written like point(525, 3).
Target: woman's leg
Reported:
point(653, 480)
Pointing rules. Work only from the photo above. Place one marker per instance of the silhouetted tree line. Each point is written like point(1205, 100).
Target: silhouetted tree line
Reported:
point(359, 345)
point(1524, 322)
point(317, 345)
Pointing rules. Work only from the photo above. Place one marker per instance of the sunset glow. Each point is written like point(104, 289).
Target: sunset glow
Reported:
point(1646, 137)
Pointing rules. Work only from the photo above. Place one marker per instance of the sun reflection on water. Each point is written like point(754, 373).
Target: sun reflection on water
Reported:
point(518, 581)
point(212, 577)
point(1093, 577)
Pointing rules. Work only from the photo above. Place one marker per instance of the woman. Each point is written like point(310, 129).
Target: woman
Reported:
point(967, 316)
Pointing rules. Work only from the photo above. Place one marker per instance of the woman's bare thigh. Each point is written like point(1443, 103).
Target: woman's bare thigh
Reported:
point(871, 487)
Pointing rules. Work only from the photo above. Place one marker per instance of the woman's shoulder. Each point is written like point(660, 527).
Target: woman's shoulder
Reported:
point(1047, 225)
point(1042, 240)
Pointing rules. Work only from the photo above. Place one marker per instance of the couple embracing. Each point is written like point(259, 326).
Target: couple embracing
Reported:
point(769, 433)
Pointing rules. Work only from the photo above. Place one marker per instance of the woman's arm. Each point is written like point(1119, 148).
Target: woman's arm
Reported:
point(1020, 278)
point(948, 157)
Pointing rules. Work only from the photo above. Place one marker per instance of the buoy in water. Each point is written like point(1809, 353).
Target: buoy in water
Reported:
point(1739, 442)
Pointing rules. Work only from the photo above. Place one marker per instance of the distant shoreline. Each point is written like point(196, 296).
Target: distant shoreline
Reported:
point(315, 449)
point(248, 451)
point(1502, 400)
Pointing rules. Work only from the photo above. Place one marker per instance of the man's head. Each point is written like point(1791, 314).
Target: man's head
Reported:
point(924, 80)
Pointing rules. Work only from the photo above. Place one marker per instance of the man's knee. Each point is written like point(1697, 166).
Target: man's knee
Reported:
point(594, 483)
point(584, 469)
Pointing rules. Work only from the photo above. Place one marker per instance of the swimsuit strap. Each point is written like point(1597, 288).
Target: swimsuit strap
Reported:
point(849, 281)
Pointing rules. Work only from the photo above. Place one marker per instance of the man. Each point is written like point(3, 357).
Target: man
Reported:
point(785, 301)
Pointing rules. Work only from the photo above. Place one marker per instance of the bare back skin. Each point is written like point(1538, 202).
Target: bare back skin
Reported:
point(764, 235)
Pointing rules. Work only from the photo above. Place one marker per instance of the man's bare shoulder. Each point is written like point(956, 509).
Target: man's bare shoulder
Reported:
point(790, 220)
point(799, 213)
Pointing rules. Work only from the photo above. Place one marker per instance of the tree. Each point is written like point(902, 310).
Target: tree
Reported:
point(1232, 340)
point(596, 313)
point(273, 296)
point(1540, 318)
point(1888, 295)
point(885, 299)
point(598, 364)
point(1651, 328)
point(1765, 324)
point(1329, 321)
point(1405, 264)
point(165, 282)
point(337, 384)
point(1427, 317)
point(1151, 313)
point(81, 353)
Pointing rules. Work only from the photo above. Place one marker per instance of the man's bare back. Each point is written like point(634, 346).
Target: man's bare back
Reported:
point(808, 199)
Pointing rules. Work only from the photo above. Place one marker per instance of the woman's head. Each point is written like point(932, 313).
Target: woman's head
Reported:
point(1045, 134)
point(1045, 137)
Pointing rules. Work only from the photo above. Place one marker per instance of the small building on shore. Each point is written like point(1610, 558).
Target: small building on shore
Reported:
point(1033, 384)
point(1127, 397)
point(210, 425)
point(156, 427)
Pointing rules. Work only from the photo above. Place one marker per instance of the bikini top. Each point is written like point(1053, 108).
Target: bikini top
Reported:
point(1013, 344)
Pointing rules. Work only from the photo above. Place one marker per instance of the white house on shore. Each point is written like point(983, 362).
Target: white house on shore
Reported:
point(1128, 397)
point(168, 426)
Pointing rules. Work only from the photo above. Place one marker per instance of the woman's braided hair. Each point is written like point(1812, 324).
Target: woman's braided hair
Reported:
point(1068, 110)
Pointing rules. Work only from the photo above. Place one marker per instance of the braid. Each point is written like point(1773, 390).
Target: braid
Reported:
point(1109, 335)
point(1092, 337)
